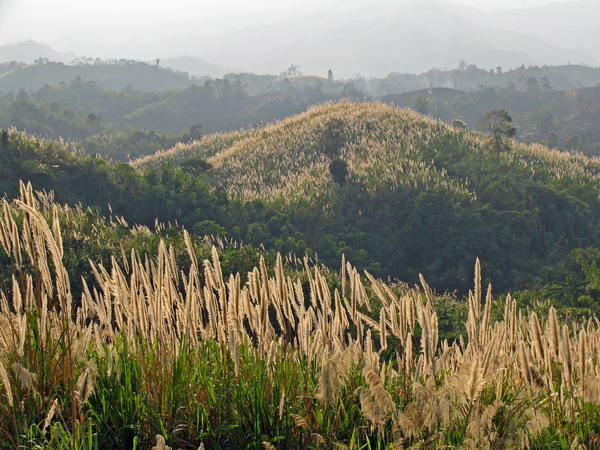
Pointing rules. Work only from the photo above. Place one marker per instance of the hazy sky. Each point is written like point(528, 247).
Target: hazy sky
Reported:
point(265, 35)
point(105, 28)
point(97, 28)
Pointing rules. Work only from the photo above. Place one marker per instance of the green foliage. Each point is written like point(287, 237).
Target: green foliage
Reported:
point(352, 92)
point(457, 123)
point(196, 132)
point(195, 166)
point(339, 170)
point(406, 207)
point(497, 123)
point(332, 138)
point(219, 105)
point(420, 104)
point(4, 140)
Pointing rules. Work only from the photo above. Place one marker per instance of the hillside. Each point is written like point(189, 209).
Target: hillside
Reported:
point(560, 119)
point(397, 193)
point(285, 160)
point(29, 51)
point(115, 76)
point(383, 145)
point(420, 195)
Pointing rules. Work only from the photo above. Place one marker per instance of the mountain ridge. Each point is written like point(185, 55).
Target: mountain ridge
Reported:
point(553, 34)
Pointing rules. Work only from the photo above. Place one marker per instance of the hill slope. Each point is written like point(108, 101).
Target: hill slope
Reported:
point(420, 196)
point(116, 77)
point(29, 51)
point(286, 159)
point(384, 147)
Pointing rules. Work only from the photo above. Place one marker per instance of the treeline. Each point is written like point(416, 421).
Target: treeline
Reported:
point(568, 120)
point(467, 77)
point(115, 124)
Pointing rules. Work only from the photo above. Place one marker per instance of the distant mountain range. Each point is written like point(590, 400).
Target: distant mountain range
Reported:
point(30, 51)
point(376, 39)
point(414, 37)
point(195, 66)
point(409, 37)
point(372, 39)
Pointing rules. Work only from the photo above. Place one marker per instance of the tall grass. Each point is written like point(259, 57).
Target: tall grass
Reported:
point(384, 150)
point(151, 356)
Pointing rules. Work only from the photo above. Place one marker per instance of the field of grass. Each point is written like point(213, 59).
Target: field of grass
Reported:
point(383, 147)
point(299, 356)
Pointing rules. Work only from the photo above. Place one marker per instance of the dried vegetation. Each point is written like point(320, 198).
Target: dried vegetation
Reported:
point(383, 148)
point(292, 365)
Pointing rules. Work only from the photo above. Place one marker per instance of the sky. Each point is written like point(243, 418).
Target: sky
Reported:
point(230, 33)
point(98, 28)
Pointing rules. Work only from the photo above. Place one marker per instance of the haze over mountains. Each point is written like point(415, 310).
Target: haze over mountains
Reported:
point(413, 37)
point(372, 39)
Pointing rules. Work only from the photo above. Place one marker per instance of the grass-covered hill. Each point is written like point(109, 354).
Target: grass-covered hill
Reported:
point(419, 196)
point(290, 159)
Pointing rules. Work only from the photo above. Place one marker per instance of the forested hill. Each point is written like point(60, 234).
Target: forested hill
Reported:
point(420, 195)
point(398, 193)
point(114, 76)
point(127, 123)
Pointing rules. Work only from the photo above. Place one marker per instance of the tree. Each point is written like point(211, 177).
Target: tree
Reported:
point(545, 84)
point(420, 104)
point(352, 91)
point(339, 170)
point(209, 228)
point(333, 139)
point(196, 132)
point(498, 124)
point(532, 84)
point(22, 95)
point(552, 141)
point(457, 123)
point(573, 143)
point(4, 140)
point(293, 70)
point(92, 121)
point(196, 166)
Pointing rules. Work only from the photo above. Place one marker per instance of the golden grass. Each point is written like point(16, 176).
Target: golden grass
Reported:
point(284, 160)
point(524, 354)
